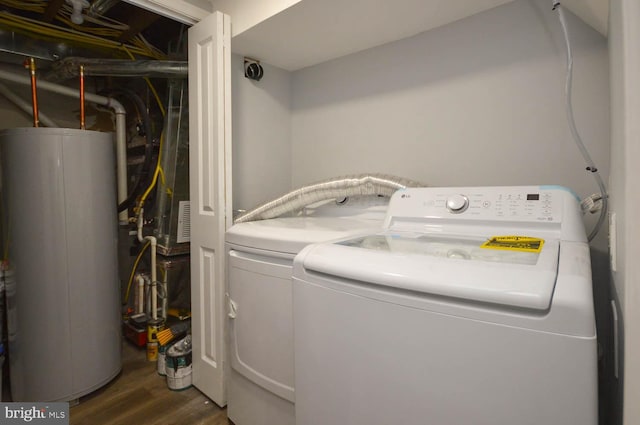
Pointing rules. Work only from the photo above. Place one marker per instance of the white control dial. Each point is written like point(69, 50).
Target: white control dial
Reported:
point(457, 203)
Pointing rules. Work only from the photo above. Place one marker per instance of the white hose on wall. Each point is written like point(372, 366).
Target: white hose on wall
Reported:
point(340, 187)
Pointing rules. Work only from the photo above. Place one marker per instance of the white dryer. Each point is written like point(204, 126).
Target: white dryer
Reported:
point(260, 259)
point(473, 307)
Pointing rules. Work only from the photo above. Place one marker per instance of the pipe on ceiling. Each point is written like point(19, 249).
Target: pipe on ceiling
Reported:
point(68, 68)
point(100, 7)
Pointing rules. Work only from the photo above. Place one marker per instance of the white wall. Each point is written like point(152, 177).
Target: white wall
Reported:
point(476, 102)
point(261, 135)
point(624, 45)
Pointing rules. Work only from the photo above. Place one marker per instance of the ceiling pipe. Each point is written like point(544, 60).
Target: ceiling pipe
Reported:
point(25, 106)
point(68, 68)
point(100, 7)
point(118, 109)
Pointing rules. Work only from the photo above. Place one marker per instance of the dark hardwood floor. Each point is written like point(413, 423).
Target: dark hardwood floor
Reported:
point(139, 396)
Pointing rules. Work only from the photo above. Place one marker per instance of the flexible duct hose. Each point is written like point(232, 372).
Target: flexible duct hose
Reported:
point(340, 187)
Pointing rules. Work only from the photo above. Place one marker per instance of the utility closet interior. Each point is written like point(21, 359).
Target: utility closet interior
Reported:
point(300, 211)
point(94, 98)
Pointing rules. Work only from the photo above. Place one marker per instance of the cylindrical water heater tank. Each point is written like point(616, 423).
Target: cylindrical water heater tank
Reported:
point(63, 303)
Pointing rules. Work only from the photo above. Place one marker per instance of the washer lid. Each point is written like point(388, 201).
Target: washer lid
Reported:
point(519, 274)
point(291, 234)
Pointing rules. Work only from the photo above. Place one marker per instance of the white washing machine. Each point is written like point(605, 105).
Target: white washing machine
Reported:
point(473, 307)
point(260, 260)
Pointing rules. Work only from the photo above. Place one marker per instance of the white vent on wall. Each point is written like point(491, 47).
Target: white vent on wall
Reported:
point(184, 222)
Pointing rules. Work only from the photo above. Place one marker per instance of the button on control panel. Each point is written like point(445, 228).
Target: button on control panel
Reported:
point(457, 203)
point(506, 204)
point(522, 203)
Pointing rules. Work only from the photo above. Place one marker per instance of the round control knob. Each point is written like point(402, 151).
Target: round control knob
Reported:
point(458, 254)
point(457, 203)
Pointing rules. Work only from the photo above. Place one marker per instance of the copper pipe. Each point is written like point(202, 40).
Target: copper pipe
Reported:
point(34, 95)
point(81, 97)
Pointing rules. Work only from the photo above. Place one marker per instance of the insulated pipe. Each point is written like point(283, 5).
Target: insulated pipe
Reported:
point(341, 187)
point(25, 106)
point(154, 277)
point(118, 109)
point(68, 68)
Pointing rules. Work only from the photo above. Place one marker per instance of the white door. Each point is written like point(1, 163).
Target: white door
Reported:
point(210, 193)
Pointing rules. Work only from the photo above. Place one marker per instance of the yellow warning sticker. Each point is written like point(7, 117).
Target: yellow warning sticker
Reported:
point(514, 243)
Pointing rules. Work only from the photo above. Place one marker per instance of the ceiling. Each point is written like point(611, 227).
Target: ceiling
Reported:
point(297, 33)
point(327, 29)
point(317, 31)
point(294, 34)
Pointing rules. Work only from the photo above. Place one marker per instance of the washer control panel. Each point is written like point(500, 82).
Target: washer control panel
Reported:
point(519, 203)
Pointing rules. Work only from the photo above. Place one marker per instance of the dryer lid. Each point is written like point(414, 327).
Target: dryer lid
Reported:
point(291, 234)
point(518, 274)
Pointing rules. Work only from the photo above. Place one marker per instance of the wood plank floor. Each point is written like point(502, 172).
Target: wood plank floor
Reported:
point(139, 396)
